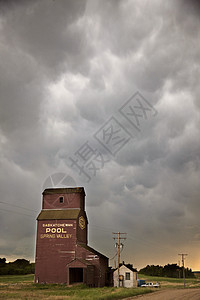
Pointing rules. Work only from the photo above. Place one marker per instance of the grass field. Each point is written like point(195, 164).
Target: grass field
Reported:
point(22, 287)
point(172, 282)
point(16, 278)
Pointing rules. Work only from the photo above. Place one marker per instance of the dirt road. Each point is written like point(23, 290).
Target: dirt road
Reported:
point(175, 294)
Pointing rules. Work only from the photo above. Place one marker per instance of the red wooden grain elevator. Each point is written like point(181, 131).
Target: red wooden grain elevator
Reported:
point(62, 252)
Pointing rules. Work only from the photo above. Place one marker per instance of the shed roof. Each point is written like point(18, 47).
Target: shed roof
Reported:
point(58, 214)
point(129, 266)
point(64, 191)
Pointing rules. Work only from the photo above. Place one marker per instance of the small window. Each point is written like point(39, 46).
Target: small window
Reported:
point(127, 276)
point(61, 199)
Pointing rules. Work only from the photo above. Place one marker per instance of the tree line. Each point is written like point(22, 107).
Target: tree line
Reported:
point(170, 270)
point(17, 267)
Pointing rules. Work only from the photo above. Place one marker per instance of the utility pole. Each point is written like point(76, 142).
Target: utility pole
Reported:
point(179, 271)
point(183, 259)
point(118, 244)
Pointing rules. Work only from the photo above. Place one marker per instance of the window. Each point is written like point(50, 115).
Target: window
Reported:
point(127, 276)
point(61, 199)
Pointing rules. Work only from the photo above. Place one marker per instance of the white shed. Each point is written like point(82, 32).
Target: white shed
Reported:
point(127, 275)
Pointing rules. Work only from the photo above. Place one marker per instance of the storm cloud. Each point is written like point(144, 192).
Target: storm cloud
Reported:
point(66, 68)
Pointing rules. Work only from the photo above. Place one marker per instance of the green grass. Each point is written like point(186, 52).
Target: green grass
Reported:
point(167, 282)
point(22, 287)
point(94, 293)
point(16, 278)
point(168, 279)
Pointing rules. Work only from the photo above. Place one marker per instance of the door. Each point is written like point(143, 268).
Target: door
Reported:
point(75, 275)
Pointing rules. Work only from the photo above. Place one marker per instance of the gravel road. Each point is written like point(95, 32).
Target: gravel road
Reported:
point(175, 294)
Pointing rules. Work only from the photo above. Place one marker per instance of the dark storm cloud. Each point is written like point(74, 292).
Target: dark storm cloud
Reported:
point(66, 67)
point(192, 6)
point(51, 32)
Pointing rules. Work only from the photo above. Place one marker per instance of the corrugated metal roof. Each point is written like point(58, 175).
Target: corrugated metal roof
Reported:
point(64, 191)
point(58, 214)
point(83, 261)
point(92, 250)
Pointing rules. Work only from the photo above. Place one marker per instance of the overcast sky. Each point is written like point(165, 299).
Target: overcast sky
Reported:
point(67, 70)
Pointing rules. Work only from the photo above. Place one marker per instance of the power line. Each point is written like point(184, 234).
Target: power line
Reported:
point(117, 253)
point(17, 206)
point(16, 212)
point(119, 244)
point(134, 238)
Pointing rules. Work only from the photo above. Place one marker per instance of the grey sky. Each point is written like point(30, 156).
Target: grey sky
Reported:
point(66, 67)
